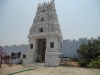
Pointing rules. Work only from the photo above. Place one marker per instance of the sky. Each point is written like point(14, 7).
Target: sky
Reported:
point(77, 19)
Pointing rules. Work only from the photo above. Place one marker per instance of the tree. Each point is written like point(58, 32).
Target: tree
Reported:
point(90, 51)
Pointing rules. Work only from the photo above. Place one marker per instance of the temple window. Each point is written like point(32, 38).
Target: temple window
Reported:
point(15, 55)
point(41, 30)
point(51, 44)
point(31, 46)
point(24, 56)
point(42, 19)
point(43, 11)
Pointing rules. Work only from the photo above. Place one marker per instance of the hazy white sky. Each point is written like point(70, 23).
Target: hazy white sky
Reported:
point(77, 18)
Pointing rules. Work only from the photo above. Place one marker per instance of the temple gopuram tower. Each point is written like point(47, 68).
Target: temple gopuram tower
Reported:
point(45, 36)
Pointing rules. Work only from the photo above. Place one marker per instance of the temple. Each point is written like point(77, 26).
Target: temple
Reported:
point(45, 36)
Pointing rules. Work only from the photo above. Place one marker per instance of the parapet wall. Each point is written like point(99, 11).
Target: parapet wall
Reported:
point(16, 49)
point(69, 47)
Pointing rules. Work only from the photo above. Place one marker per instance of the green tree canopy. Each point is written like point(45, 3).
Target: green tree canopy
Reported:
point(91, 50)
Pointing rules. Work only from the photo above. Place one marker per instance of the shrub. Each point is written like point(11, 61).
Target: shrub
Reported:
point(91, 54)
point(83, 62)
point(95, 63)
point(91, 50)
point(70, 59)
point(75, 59)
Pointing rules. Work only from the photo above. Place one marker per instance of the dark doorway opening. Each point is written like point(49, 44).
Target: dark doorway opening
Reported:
point(41, 47)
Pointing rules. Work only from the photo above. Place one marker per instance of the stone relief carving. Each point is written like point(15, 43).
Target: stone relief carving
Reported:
point(45, 29)
point(59, 31)
point(31, 30)
point(48, 17)
point(37, 30)
point(54, 29)
point(50, 27)
point(34, 29)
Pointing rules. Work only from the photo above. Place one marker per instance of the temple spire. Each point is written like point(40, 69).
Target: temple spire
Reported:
point(53, 1)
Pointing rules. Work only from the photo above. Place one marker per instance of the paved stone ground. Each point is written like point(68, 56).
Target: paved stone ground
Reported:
point(40, 70)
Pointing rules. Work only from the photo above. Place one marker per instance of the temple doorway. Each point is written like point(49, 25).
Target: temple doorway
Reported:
point(41, 47)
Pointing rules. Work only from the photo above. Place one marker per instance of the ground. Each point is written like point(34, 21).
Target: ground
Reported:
point(70, 68)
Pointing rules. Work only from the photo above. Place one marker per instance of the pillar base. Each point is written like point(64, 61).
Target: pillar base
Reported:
point(52, 59)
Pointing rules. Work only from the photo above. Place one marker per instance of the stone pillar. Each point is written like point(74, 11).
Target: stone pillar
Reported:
point(52, 56)
point(52, 59)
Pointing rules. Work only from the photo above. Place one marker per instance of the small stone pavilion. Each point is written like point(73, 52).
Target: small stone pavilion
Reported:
point(45, 36)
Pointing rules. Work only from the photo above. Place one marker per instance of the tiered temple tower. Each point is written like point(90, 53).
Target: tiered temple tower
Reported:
point(45, 36)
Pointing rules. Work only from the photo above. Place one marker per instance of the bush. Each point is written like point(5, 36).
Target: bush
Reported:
point(91, 54)
point(70, 59)
point(91, 50)
point(83, 62)
point(75, 59)
point(95, 63)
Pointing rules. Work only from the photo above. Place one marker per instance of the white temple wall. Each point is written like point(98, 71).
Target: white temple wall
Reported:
point(51, 39)
point(68, 47)
point(10, 49)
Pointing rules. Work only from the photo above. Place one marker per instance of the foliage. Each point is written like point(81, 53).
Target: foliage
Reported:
point(70, 59)
point(83, 62)
point(95, 63)
point(90, 52)
point(75, 59)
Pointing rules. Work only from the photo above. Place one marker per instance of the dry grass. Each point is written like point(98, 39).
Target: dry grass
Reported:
point(69, 64)
point(5, 69)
